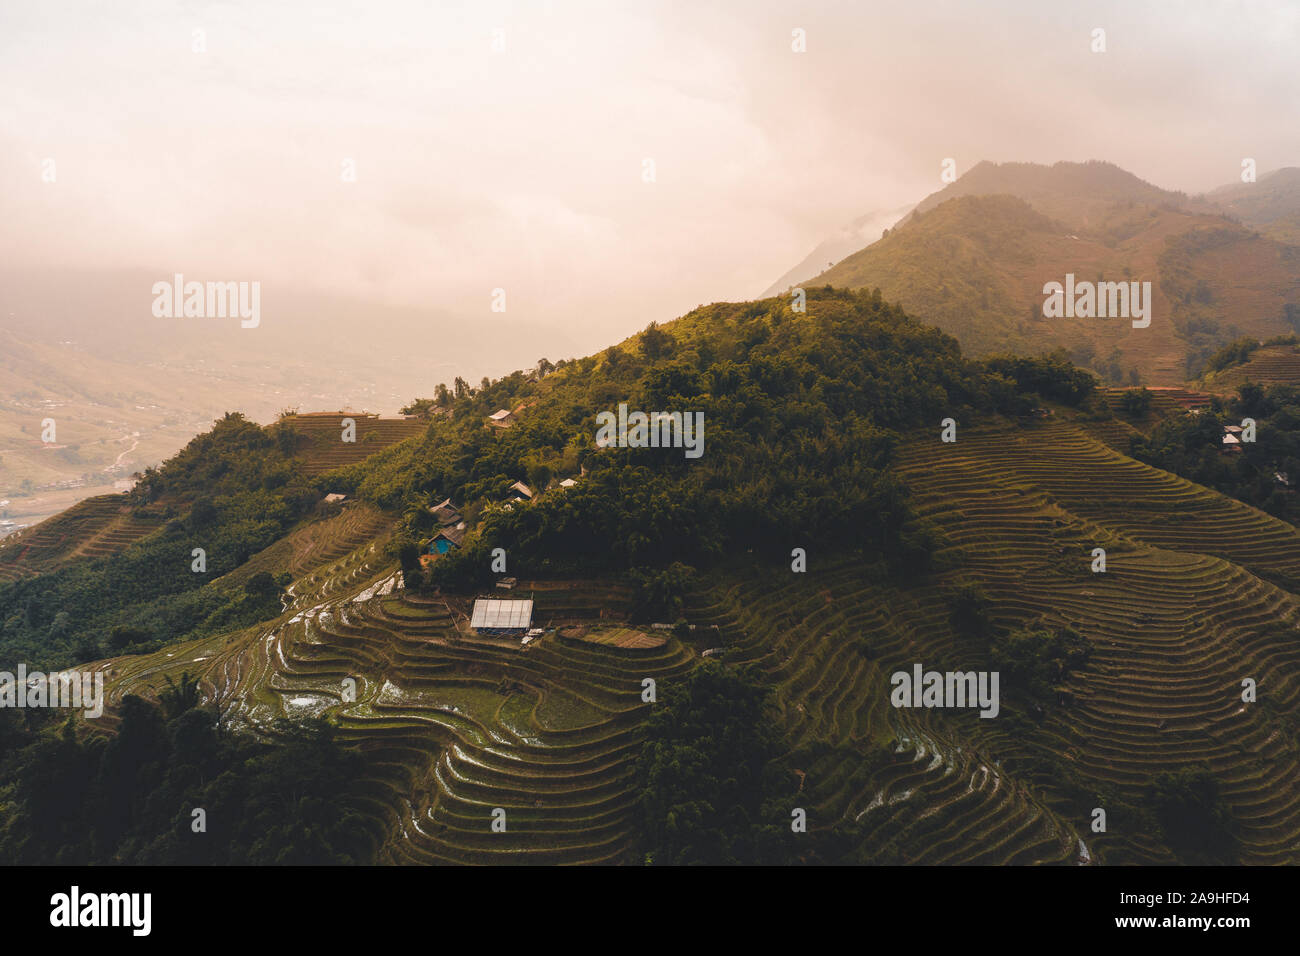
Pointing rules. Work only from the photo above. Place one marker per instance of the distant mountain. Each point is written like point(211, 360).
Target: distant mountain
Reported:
point(1078, 194)
point(861, 232)
point(1074, 193)
point(976, 266)
point(1271, 204)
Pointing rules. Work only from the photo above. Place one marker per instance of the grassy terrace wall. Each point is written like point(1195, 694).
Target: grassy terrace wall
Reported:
point(95, 527)
point(321, 447)
point(1275, 365)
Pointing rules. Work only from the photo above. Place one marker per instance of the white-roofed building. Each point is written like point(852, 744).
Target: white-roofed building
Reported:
point(493, 616)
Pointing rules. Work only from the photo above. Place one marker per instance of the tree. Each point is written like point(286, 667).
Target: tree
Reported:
point(1135, 402)
point(421, 407)
point(262, 585)
point(179, 696)
point(969, 613)
point(1190, 809)
point(408, 555)
point(709, 783)
point(656, 343)
point(660, 595)
point(123, 636)
point(203, 513)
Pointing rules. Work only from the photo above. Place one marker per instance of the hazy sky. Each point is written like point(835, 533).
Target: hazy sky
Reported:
point(523, 168)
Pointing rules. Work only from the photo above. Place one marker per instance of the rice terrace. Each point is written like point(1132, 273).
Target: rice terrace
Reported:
point(472, 506)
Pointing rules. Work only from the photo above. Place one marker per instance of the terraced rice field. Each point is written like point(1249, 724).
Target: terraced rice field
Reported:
point(1198, 594)
point(1118, 430)
point(1275, 365)
point(321, 446)
point(95, 527)
point(1181, 616)
point(455, 725)
point(937, 786)
point(613, 636)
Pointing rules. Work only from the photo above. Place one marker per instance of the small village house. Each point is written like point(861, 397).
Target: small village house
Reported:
point(447, 539)
point(446, 513)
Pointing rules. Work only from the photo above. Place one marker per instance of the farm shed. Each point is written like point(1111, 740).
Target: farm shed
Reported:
point(492, 616)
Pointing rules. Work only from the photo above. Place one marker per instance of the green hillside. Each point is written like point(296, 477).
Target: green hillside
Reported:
point(1121, 690)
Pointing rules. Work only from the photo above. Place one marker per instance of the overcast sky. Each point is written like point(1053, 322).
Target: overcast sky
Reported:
point(523, 168)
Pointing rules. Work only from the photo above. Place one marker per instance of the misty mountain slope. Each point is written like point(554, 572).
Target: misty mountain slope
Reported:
point(110, 417)
point(976, 267)
point(1079, 194)
point(858, 234)
point(127, 389)
point(1271, 204)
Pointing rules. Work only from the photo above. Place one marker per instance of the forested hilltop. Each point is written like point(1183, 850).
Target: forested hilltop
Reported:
point(801, 412)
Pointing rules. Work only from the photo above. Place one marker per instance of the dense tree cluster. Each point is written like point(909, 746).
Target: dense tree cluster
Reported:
point(130, 798)
point(1189, 807)
point(1034, 662)
point(801, 409)
point(711, 789)
point(231, 492)
point(1051, 376)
